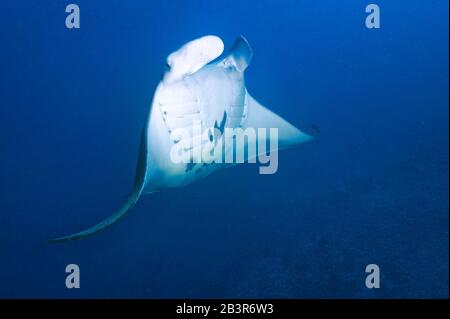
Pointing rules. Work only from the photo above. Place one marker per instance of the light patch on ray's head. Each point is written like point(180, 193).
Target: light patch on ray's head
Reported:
point(192, 56)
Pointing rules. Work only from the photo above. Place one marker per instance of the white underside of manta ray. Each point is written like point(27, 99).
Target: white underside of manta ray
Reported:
point(196, 90)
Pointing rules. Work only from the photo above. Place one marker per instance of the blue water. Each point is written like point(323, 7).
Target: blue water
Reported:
point(373, 188)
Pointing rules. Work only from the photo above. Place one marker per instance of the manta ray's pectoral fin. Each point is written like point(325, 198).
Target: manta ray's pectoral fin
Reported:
point(192, 56)
point(260, 117)
point(240, 54)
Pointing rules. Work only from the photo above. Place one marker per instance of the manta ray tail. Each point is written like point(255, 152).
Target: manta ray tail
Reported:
point(131, 201)
point(139, 184)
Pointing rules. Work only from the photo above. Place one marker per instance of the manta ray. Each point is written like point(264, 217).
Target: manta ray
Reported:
point(197, 87)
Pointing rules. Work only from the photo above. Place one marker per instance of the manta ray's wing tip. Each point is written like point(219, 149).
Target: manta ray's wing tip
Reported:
point(315, 131)
point(309, 134)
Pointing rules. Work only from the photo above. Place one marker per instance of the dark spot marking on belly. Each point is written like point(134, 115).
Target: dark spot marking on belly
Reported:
point(221, 127)
point(189, 167)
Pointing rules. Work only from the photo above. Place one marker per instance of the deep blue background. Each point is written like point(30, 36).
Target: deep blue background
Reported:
point(372, 189)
